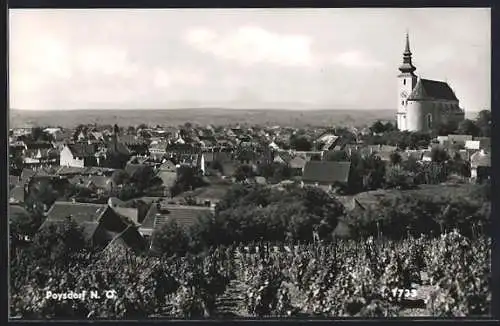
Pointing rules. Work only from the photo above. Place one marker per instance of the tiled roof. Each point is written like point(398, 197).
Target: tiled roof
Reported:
point(130, 213)
point(459, 138)
point(83, 149)
point(167, 177)
point(185, 216)
point(426, 89)
point(129, 238)
point(480, 159)
point(14, 180)
point(17, 194)
point(298, 162)
point(228, 168)
point(79, 212)
point(99, 181)
point(16, 212)
point(69, 170)
point(26, 174)
point(38, 145)
point(168, 166)
point(326, 172)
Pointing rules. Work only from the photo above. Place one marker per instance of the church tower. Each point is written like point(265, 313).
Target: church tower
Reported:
point(406, 82)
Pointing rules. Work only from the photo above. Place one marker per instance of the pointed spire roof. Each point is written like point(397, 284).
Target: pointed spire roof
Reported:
point(407, 47)
point(407, 67)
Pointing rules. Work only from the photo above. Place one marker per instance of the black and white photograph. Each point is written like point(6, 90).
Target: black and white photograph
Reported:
point(258, 163)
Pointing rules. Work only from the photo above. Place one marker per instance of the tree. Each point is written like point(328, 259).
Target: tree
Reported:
point(337, 156)
point(170, 239)
point(377, 127)
point(130, 130)
point(439, 155)
point(483, 123)
point(397, 177)
point(396, 158)
point(188, 178)
point(56, 243)
point(468, 127)
point(300, 143)
point(243, 172)
point(24, 223)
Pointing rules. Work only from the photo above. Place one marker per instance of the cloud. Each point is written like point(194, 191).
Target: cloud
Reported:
point(355, 59)
point(250, 45)
point(165, 78)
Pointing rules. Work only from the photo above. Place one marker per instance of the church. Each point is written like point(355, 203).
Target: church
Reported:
point(424, 104)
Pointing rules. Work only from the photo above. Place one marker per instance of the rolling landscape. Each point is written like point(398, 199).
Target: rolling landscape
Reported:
point(175, 117)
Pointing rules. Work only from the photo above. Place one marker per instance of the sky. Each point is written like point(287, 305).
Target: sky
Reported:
point(242, 58)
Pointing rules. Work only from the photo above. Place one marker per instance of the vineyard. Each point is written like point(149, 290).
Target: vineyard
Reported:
point(444, 276)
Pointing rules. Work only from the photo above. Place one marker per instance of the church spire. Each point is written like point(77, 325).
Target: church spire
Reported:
point(407, 66)
point(407, 47)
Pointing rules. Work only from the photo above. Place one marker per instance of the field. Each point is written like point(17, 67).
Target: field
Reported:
point(446, 276)
point(175, 117)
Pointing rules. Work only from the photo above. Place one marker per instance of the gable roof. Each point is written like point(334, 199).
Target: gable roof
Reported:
point(480, 159)
point(27, 174)
point(129, 238)
point(298, 162)
point(17, 194)
point(167, 177)
point(185, 216)
point(83, 149)
point(326, 172)
point(427, 89)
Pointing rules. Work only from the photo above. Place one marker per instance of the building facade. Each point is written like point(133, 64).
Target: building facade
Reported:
point(424, 104)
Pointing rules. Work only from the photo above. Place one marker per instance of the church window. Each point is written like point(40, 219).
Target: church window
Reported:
point(429, 121)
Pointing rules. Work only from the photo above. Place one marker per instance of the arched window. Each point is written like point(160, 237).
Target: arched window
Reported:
point(429, 121)
point(404, 81)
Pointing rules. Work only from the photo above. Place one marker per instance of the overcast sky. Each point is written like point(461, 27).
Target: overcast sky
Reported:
point(241, 58)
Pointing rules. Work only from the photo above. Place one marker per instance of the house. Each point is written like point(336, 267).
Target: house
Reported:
point(478, 143)
point(426, 156)
point(99, 222)
point(130, 238)
point(136, 145)
point(326, 174)
point(458, 140)
point(480, 166)
point(328, 141)
point(79, 155)
point(297, 164)
point(14, 181)
point(211, 194)
point(26, 175)
point(167, 172)
point(16, 195)
point(160, 213)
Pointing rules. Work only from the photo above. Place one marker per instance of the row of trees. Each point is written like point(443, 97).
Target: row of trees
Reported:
point(256, 213)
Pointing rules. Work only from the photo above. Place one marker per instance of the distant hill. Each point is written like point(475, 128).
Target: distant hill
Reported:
point(215, 116)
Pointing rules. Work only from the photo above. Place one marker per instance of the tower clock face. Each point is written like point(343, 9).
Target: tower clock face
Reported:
point(404, 94)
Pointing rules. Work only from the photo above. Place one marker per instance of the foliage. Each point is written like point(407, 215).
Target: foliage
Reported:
point(188, 178)
point(337, 156)
point(300, 143)
point(170, 239)
point(242, 172)
point(56, 243)
point(397, 177)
